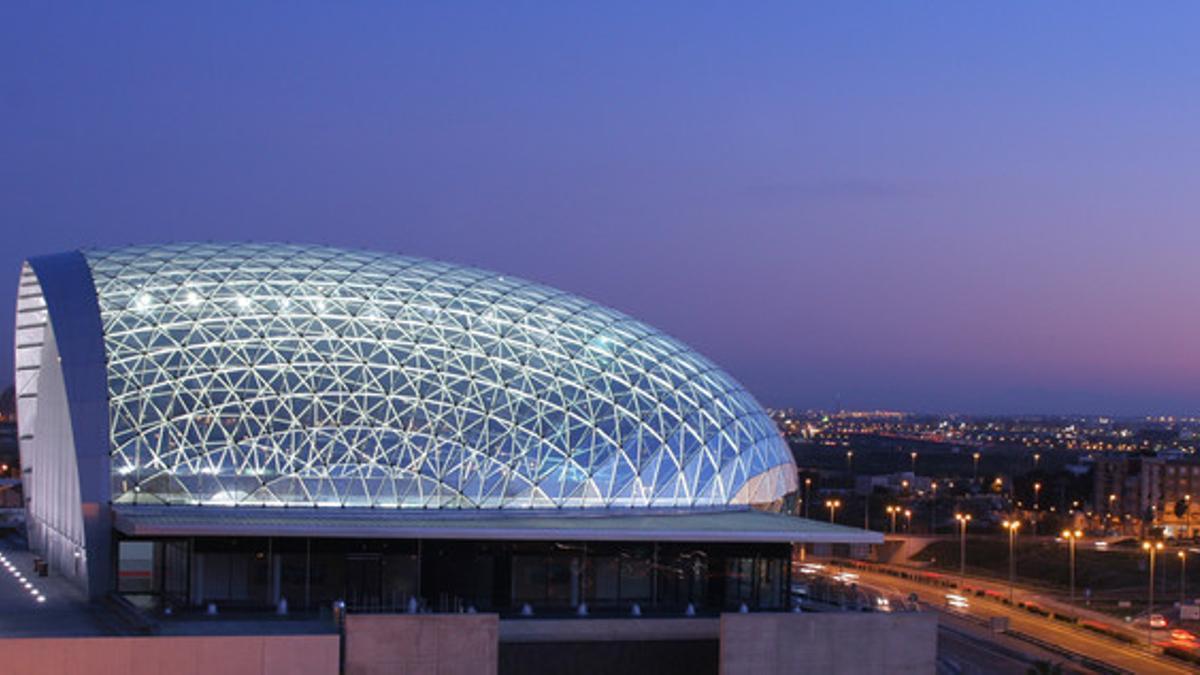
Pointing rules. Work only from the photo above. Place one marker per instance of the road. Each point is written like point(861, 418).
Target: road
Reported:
point(1075, 639)
point(964, 647)
point(958, 654)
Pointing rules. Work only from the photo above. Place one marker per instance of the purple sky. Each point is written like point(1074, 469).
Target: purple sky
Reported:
point(957, 206)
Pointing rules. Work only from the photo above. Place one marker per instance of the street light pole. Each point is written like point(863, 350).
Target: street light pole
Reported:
point(1152, 547)
point(832, 505)
point(867, 511)
point(1162, 580)
point(976, 458)
point(962, 519)
point(1012, 526)
point(891, 511)
point(1187, 516)
point(1071, 537)
point(1037, 499)
point(908, 517)
point(913, 456)
point(933, 509)
point(1182, 577)
point(807, 495)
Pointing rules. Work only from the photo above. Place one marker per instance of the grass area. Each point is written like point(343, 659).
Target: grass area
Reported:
point(1112, 576)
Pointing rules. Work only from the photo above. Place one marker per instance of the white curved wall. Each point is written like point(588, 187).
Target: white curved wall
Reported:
point(54, 514)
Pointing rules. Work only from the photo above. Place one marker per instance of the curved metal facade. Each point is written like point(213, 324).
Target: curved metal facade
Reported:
point(310, 376)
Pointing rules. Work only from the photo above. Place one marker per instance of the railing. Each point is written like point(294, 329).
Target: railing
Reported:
point(131, 618)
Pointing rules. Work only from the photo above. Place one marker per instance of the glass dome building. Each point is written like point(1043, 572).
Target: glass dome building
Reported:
point(162, 379)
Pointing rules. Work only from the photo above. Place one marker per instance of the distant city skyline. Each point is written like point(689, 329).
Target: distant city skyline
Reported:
point(935, 209)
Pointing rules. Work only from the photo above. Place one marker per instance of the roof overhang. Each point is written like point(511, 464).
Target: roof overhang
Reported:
point(706, 525)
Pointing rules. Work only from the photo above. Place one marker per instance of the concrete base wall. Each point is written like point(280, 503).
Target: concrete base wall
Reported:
point(643, 657)
point(609, 630)
point(445, 644)
point(469, 644)
point(228, 655)
point(850, 643)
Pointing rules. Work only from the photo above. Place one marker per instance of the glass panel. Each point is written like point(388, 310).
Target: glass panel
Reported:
point(606, 585)
point(739, 582)
point(682, 577)
point(529, 579)
point(267, 374)
point(136, 567)
point(635, 579)
point(770, 584)
point(562, 577)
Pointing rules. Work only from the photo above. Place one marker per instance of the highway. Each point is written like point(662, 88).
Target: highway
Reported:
point(960, 654)
point(1081, 641)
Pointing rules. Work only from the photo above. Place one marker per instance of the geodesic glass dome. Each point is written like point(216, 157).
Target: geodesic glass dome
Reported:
point(247, 374)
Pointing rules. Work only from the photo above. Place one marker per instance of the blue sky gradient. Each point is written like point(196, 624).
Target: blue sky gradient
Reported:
point(926, 206)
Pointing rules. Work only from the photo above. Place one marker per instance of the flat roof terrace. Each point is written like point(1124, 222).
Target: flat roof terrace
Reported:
point(691, 525)
point(63, 612)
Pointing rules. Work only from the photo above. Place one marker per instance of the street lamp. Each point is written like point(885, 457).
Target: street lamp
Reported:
point(933, 508)
point(1152, 548)
point(867, 510)
point(892, 511)
point(850, 461)
point(1012, 526)
point(807, 487)
point(998, 484)
point(976, 458)
point(1187, 516)
point(1036, 457)
point(832, 505)
point(963, 519)
point(1182, 576)
point(908, 517)
point(1071, 536)
point(1037, 498)
point(913, 456)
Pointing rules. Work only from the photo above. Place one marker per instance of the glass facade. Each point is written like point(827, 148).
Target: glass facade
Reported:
point(255, 573)
point(307, 376)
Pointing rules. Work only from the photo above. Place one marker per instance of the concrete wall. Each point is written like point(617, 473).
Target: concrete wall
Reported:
point(856, 551)
point(468, 644)
point(437, 644)
point(227, 655)
point(899, 550)
point(642, 657)
point(609, 630)
point(835, 642)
